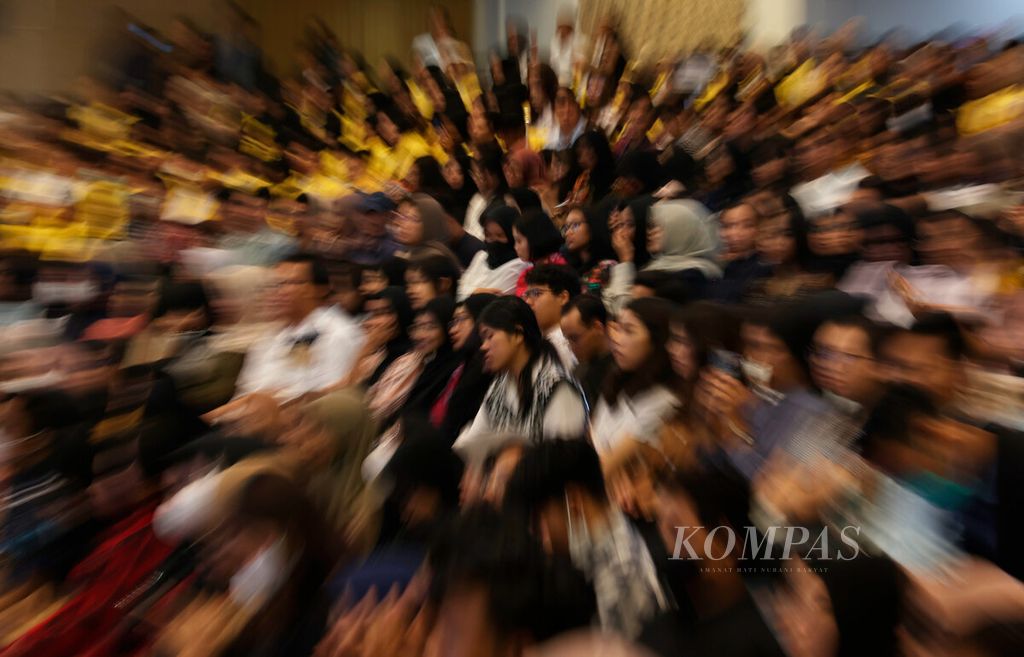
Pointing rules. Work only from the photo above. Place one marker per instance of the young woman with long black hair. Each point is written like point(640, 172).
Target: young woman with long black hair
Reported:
point(532, 397)
point(638, 395)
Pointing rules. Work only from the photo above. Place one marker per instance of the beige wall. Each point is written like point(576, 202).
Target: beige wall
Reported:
point(46, 44)
point(374, 27)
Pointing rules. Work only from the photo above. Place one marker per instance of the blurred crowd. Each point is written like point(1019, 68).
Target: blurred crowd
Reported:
point(572, 354)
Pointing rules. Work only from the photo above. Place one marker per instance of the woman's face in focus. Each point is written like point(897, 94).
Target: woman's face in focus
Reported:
point(499, 347)
point(522, 246)
point(461, 328)
point(577, 231)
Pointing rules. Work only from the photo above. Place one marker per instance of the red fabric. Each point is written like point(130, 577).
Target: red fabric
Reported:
point(553, 259)
point(107, 576)
point(440, 407)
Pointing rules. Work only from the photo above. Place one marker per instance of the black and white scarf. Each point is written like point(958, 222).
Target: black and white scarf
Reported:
point(504, 408)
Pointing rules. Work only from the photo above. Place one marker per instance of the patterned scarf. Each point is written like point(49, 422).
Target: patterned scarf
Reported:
point(504, 408)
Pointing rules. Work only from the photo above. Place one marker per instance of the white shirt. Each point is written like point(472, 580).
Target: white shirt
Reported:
point(426, 49)
point(564, 56)
point(480, 276)
point(560, 142)
point(639, 418)
point(935, 284)
point(828, 192)
point(476, 207)
point(561, 345)
point(278, 366)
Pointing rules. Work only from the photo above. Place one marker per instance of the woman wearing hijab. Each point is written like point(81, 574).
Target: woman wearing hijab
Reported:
point(532, 397)
point(587, 248)
point(497, 268)
point(237, 301)
point(414, 381)
point(682, 243)
point(458, 402)
point(421, 221)
point(537, 241)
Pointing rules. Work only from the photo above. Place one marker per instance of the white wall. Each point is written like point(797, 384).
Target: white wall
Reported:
point(920, 18)
point(770, 22)
point(541, 15)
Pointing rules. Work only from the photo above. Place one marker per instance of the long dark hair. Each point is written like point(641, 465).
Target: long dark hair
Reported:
point(462, 196)
point(641, 209)
point(432, 181)
point(603, 173)
point(709, 325)
point(513, 315)
point(599, 248)
point(540, 233)
point(655, 314)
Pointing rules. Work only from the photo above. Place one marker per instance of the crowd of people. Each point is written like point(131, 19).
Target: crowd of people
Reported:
point(721, 355)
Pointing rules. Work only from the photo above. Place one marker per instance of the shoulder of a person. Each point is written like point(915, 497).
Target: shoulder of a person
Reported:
point(334, 318)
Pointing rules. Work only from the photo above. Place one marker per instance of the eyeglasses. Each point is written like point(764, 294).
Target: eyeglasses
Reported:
point(825, 354)
point(459, 319)
point(535, 292)
point(571, 227)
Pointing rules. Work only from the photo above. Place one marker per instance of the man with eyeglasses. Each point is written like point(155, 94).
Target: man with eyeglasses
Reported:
point(843, 365)
point(549, 289)
point(315, 349)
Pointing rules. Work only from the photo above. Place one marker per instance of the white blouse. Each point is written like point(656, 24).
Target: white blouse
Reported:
point(480, 276)
point(639, 418)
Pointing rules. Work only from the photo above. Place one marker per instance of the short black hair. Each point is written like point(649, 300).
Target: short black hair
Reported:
point(590, 307)
point(317, 267)
point(559, 278)
point(435, 267)
point(548, 468)
point(874, 332)
point(525, 198)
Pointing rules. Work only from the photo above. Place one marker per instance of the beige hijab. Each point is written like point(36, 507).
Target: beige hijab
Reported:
point(350, 424)
point(244, 285)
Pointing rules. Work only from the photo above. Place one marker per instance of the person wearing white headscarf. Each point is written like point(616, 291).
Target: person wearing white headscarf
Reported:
point(682, 241)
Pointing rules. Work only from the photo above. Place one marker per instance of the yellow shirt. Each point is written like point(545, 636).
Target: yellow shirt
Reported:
point(799, 86)
point(992, 111)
